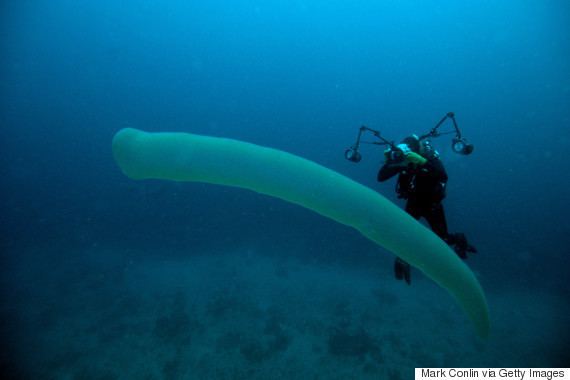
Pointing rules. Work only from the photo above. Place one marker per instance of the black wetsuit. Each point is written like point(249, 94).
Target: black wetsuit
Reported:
point(424, 188)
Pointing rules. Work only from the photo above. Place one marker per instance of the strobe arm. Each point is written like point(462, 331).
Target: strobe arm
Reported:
point(352, 154)
point(459, 144)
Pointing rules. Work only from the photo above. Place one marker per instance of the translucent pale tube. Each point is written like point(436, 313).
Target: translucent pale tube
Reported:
point(189, 157)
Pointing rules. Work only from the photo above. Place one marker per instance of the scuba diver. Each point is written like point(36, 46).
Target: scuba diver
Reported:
point(422, 181)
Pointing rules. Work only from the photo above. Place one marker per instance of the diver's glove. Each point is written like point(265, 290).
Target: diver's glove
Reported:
point(415, 158)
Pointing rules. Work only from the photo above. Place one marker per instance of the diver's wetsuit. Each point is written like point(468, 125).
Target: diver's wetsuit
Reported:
point(424, 188)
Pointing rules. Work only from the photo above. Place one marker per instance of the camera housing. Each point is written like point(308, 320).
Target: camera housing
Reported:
point(398, 152)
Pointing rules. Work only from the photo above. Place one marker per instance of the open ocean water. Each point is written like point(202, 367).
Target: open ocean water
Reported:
point(105, 277)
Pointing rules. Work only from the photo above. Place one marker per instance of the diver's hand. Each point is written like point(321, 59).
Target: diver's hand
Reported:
point(415, 158)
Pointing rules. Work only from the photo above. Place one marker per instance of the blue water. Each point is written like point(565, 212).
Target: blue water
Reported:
point(104, 277)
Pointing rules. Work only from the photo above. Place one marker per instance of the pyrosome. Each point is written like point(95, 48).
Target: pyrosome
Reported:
point(190, 157)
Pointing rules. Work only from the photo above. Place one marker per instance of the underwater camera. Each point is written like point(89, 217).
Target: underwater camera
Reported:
point(397, 153)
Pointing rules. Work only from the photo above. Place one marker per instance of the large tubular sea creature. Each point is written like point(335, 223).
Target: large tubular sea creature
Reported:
point(189, 157)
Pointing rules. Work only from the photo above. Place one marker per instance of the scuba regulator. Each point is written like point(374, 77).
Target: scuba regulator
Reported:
point(397, 153)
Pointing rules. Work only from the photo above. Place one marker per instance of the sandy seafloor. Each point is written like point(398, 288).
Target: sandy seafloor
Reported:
point(103, 313)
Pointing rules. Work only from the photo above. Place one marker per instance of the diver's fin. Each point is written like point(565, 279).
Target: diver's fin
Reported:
point(402, 270)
